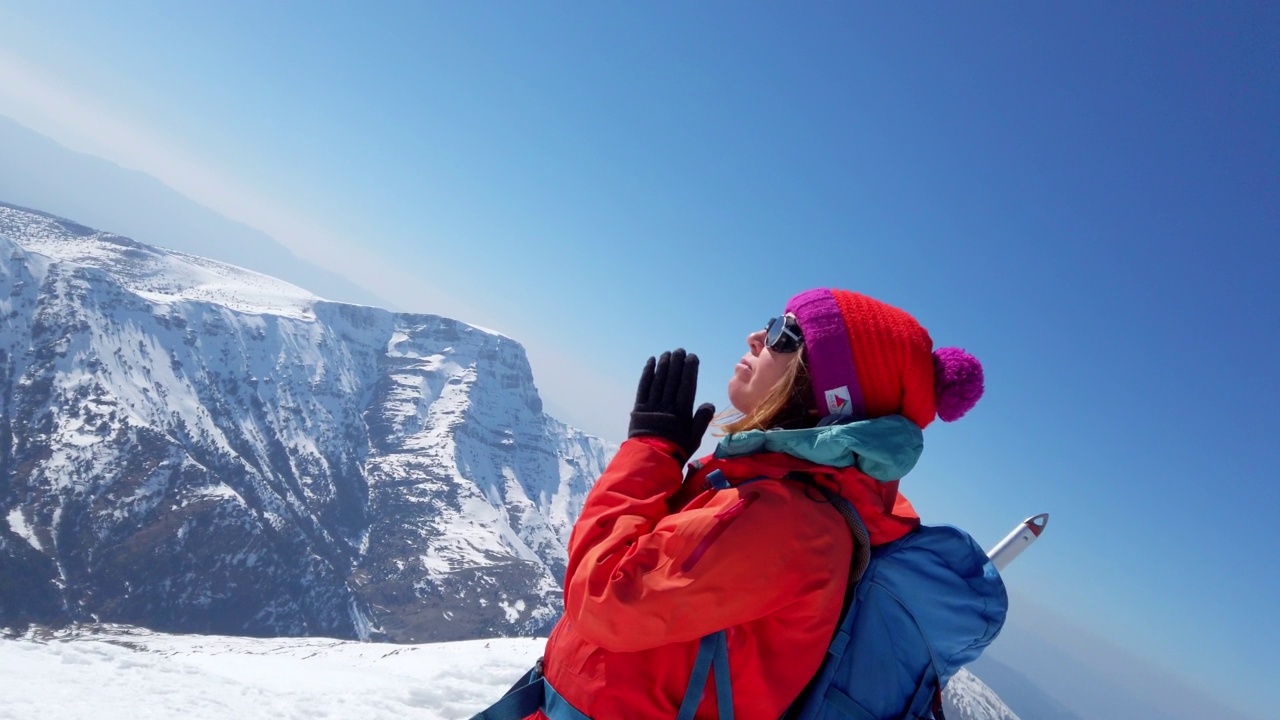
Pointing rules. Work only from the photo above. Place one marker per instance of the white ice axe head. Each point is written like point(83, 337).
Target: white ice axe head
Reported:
point(1015, 542)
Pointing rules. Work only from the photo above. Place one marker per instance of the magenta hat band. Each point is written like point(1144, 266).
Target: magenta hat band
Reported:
point(829, 353)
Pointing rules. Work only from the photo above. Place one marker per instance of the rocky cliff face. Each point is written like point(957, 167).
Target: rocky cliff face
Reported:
point(194, 447)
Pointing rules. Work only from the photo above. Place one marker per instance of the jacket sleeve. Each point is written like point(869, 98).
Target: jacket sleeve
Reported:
point(641, 576)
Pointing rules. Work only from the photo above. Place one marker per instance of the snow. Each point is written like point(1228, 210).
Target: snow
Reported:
point(115, 672)
point(119, 673)
point(489, 331)
point(512, 611)
point(18, 524)
point(970, 698)
point(161, 276)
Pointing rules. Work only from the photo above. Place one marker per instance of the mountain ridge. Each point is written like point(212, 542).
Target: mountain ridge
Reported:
point(39, 172)
point(160, 404)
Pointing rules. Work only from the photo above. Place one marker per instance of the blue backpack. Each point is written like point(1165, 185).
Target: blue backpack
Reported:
point(919, 609)
point(927, 605)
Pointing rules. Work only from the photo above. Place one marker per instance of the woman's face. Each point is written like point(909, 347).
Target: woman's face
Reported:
point(756, 373)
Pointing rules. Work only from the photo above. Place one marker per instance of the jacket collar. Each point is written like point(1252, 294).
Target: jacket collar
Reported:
point(886, 448)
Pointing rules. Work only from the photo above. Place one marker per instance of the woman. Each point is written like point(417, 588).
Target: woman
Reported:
point(833, 395)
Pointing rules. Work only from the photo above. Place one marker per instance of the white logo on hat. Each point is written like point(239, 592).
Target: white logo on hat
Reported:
point(839, 402)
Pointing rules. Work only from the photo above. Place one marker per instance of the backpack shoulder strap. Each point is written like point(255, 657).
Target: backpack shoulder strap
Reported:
point(522, 700)
point(713, 656)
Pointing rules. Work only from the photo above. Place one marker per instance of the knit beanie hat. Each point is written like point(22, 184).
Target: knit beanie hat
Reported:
point(867, 358)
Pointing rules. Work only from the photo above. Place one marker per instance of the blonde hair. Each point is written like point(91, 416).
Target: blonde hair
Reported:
point(786, 401)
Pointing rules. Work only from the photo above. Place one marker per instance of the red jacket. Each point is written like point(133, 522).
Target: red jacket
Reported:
point(656, 563)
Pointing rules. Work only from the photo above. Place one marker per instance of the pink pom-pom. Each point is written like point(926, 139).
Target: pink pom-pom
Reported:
point(957, 382)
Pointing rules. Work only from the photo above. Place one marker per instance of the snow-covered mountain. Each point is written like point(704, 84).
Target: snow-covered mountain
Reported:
point(121, 673)
point(968, 698)
point(196, 447)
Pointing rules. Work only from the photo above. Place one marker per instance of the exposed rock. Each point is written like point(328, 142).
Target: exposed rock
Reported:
point(194, 447)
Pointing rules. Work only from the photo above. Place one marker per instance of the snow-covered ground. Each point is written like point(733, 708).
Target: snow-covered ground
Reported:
point(118, 673)
point(113, 672)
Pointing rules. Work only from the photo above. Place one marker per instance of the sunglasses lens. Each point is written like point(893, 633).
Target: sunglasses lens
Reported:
point(773, 331)
point(781, 338)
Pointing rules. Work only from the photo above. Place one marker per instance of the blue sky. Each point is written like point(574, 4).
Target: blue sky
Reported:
point(1086, 196)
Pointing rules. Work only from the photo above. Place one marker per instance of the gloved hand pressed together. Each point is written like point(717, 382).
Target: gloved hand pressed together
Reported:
point(664, 402)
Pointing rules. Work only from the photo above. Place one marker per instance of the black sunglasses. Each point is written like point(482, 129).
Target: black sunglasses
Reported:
point(782, 334)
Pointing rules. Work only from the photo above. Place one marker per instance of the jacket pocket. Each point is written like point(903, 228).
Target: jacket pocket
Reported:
point(723, 520)
point(574, 654)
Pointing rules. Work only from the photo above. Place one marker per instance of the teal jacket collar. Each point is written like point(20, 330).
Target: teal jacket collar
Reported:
point(886, 448)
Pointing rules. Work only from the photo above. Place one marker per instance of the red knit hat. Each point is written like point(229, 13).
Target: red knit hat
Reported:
point(868, 359)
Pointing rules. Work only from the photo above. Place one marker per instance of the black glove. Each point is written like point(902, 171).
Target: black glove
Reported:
point(664, 402)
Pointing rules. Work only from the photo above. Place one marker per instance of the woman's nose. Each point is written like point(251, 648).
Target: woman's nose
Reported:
point(755, 341)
